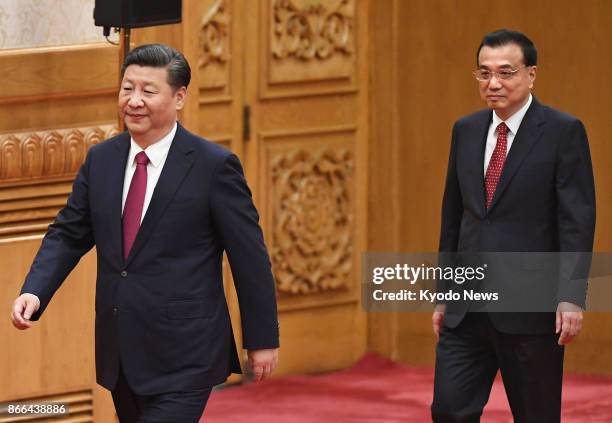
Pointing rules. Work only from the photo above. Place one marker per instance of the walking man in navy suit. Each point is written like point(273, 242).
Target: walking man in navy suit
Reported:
point(161, 205)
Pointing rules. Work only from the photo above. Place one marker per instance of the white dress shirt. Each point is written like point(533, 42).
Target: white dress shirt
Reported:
point(157, 154)
point(513, 123)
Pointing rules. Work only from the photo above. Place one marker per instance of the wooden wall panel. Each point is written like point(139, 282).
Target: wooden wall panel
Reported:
point(310, 215)
point(54, 105)
point(215, 49)
point(28, 157)
point(322, 340)
point(432, 47)
point(308, 48)
point(306, 82)
point(384, 184)
point(36, 173)
point(58, 112)
point(56, 355)
point(58, 71)
point(321, 36)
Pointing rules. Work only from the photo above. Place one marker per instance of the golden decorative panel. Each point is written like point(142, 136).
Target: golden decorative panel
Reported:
point(313, 31)
point(47, 154)
point(311, 41)
point(36, 173)
point(214, 33)
point(215, 45)
point(312, 218)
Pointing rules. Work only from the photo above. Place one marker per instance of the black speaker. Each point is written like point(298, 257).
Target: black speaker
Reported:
point(136, 13)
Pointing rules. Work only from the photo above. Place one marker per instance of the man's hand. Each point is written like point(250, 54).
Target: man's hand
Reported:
point(24, 306)
point(262, 362)
point(569, 322)
point(437, 319)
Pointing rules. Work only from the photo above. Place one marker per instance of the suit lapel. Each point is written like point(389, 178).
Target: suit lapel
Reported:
point(475, 156)
point(177, 165)
point(116, 177)
point(529, 133)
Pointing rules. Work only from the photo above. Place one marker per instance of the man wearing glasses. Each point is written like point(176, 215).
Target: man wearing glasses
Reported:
point(519, 180)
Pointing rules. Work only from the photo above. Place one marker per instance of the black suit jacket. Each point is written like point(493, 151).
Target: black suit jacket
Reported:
point(162, 312)
point(544, 201)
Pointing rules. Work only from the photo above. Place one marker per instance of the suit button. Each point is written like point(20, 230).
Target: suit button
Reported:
point(115, 311)
point(124, 274)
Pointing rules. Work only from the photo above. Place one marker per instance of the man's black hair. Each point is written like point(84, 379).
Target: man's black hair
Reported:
point(503, 37)
point(161, 56)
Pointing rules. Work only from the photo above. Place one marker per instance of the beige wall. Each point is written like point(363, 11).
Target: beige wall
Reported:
point(38, 23)
point(423, 54)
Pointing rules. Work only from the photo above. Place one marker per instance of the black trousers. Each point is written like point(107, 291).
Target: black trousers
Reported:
point(172, 407)
point(468, 358)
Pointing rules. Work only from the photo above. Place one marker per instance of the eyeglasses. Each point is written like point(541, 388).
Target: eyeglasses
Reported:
point(484, 75)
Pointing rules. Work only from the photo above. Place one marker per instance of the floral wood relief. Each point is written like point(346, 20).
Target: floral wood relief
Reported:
point(313, 218)
point(318, 29)
point(36, 155)
point(214, 35)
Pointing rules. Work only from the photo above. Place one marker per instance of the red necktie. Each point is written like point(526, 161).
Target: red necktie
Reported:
point(132, 211)
point(496, 164)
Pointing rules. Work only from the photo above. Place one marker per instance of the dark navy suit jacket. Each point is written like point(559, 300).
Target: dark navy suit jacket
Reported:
point(544, 201)
point(162, 312)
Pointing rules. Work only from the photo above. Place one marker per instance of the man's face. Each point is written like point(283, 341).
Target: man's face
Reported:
point(148, 104)
point(507, 96)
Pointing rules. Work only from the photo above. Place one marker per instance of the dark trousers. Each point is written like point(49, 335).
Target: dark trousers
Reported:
point(468, 358)
point(172, 407)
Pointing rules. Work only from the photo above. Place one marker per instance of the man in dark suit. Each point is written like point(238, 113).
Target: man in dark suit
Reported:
point(161, 205)
point(519, 180)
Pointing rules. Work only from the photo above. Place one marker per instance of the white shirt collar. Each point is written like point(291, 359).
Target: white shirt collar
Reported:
point(514, 121)
point(156, 152)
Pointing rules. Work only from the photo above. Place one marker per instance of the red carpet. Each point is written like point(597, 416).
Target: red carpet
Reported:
point(378, 390)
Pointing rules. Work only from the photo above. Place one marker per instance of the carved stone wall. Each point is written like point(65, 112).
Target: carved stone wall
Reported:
point(312, 248)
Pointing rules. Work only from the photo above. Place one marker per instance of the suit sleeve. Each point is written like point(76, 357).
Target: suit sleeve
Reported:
point(575, 190)
point(68, 238)
point(237, 223)
point(452, 213)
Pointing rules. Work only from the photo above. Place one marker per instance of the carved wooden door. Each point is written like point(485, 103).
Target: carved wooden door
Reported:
point(305, 85)
point(283, 84)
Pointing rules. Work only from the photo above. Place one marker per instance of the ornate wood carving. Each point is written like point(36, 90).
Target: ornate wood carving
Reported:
point(314, 31)
point(10, 158)
point(312, 243)
point(214, 35)
point(35, 168)
point(47, 154)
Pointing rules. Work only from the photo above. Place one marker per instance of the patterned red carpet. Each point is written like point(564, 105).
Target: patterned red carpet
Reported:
point(377, 390)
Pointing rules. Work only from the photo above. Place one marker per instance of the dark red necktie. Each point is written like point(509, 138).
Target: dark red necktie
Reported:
point(496, 164)
point(132, 211)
